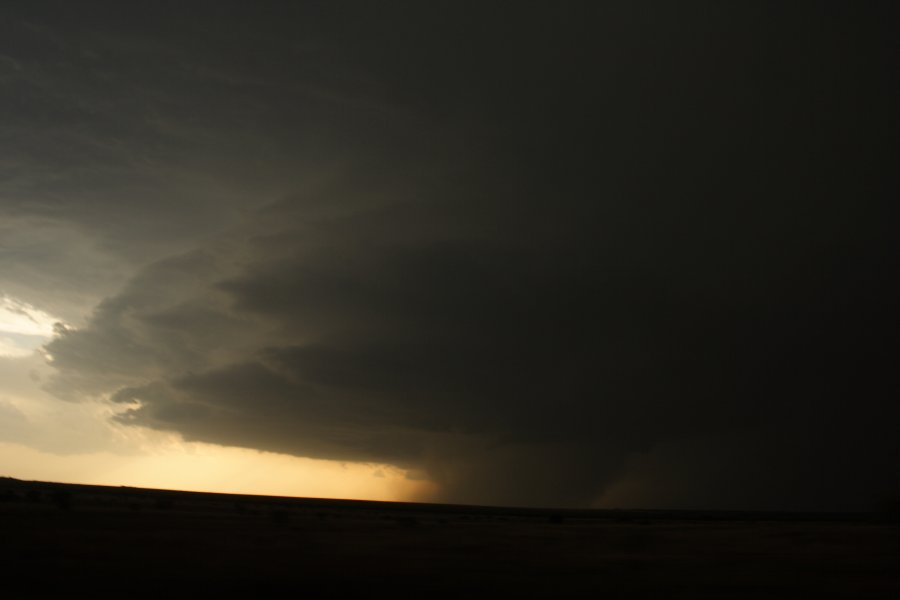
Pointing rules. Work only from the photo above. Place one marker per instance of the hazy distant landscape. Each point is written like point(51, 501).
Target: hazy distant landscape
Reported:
point(61, 538)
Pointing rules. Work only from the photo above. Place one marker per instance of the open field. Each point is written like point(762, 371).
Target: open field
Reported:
point(57, 539)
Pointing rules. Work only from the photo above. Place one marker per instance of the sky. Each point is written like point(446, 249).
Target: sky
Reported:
point(582, 254)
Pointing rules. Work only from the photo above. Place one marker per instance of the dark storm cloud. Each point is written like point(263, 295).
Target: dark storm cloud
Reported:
point(529, 255)
point(129, 135)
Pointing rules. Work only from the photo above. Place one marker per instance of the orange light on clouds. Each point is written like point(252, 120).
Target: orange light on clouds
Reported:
point(44, 439)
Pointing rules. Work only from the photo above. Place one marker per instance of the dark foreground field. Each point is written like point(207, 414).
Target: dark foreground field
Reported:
point(57, 540)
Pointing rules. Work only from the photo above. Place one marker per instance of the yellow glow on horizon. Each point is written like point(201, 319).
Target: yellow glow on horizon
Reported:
point(80, 442)
point(210, 468)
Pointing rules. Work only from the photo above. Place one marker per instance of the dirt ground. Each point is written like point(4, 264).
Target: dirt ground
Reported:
point(57, 540)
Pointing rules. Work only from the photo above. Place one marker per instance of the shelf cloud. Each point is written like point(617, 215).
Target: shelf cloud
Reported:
point(605, 255)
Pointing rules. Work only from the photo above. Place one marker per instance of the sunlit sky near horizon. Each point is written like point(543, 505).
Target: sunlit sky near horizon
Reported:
point(45, 440)
point(23, 328)
point(614, 254)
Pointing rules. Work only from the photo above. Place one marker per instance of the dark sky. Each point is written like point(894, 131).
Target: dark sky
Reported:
point(577, 253)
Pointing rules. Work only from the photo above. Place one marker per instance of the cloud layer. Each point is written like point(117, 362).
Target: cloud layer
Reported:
point(609, 256)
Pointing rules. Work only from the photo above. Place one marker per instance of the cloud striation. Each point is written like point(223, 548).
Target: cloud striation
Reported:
point(602, 255)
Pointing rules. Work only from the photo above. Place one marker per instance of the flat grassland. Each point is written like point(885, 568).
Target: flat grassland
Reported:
point(59, 539)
